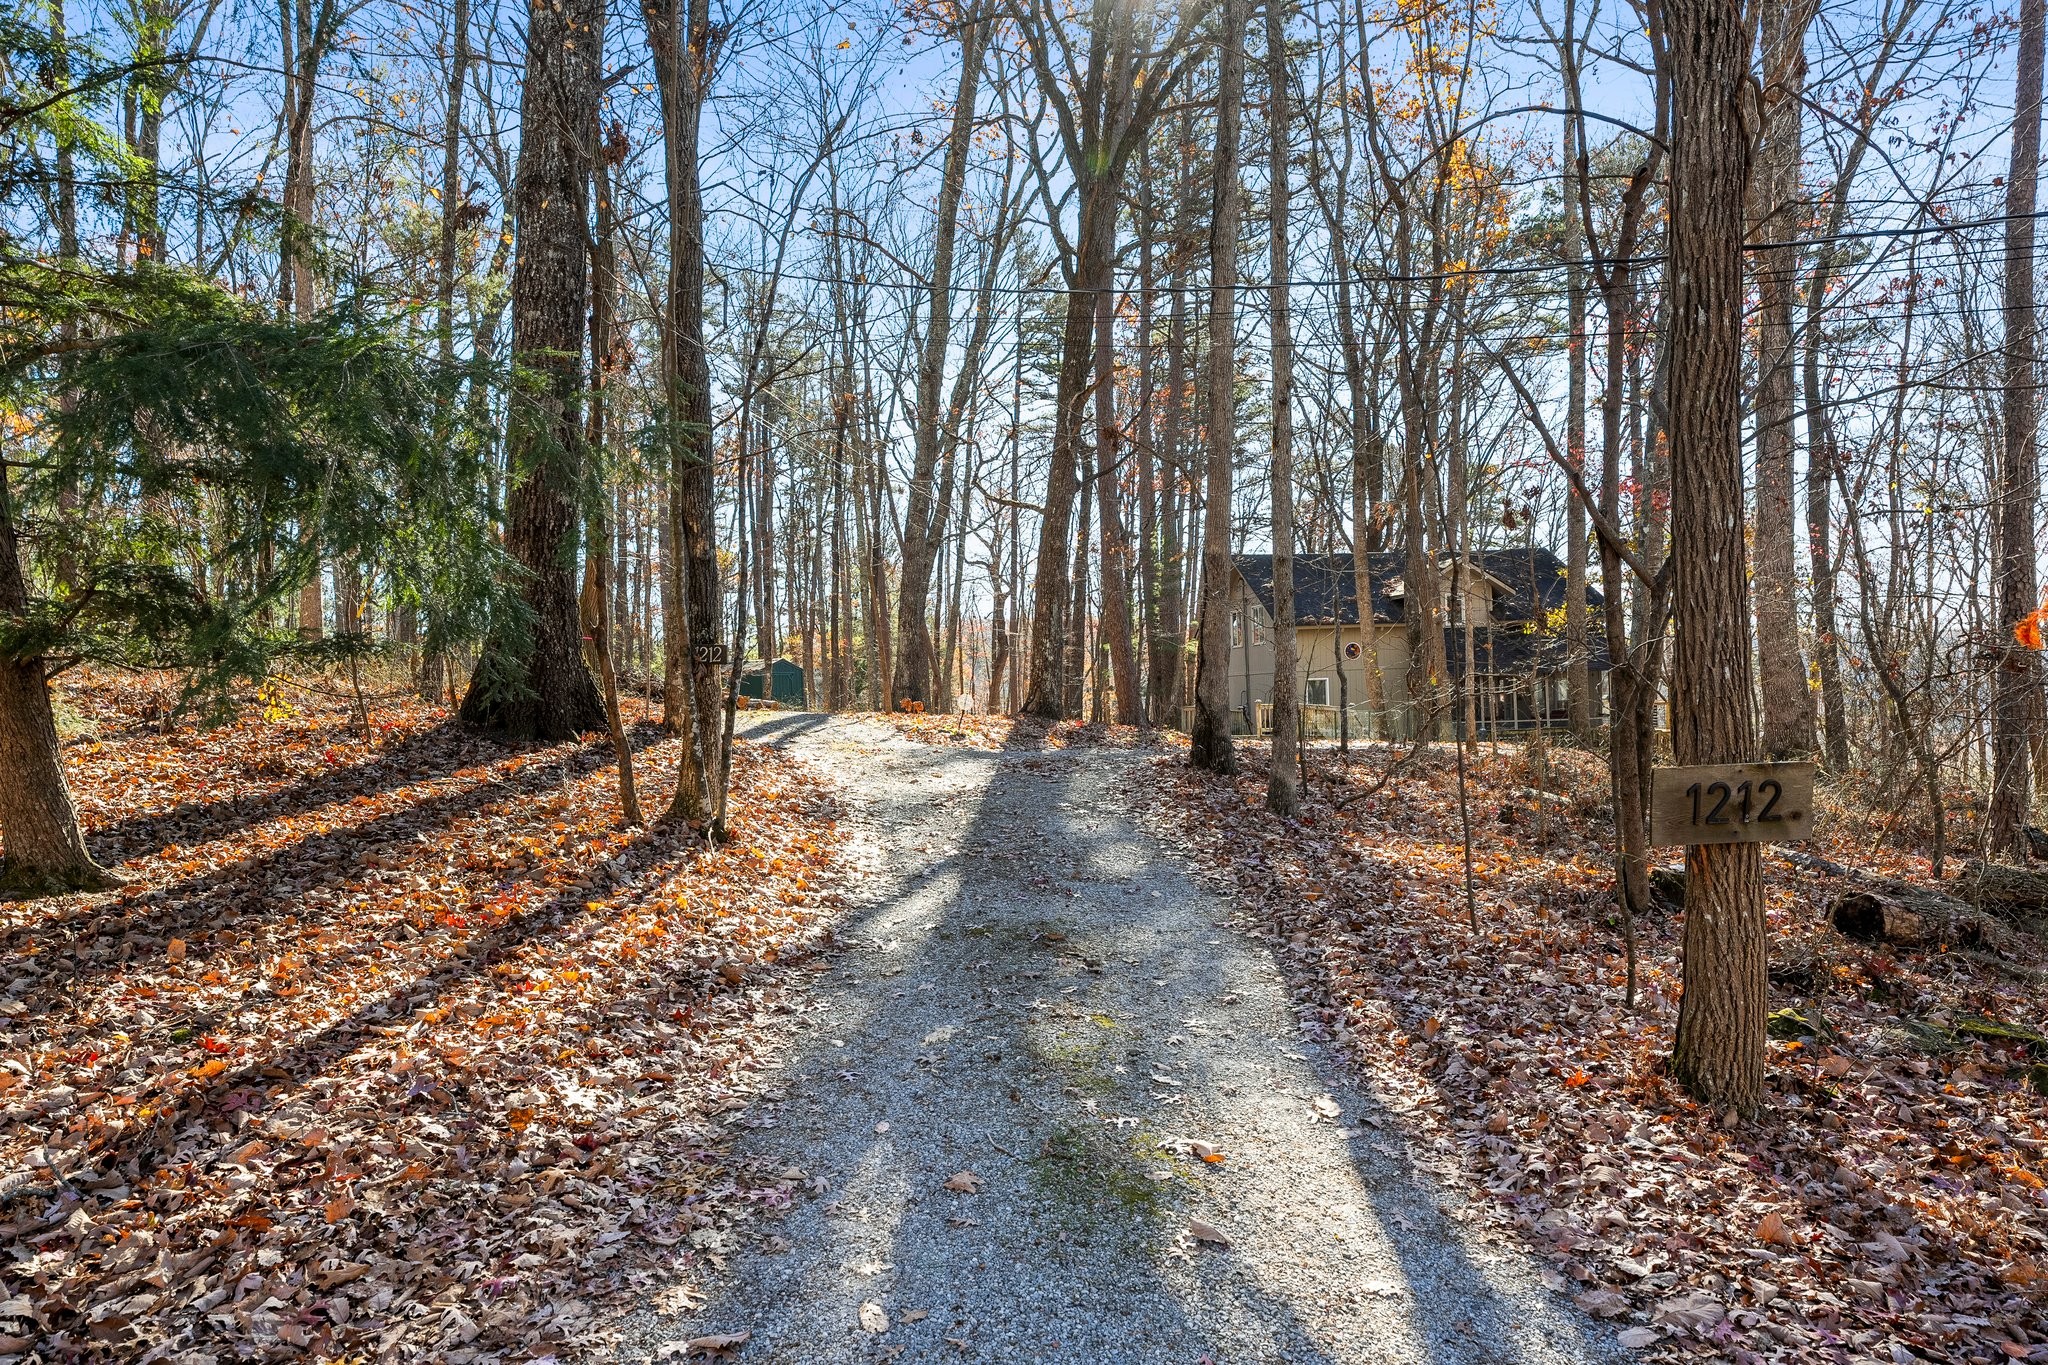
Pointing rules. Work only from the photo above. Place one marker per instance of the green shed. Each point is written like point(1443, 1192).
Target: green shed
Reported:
point(781, 682)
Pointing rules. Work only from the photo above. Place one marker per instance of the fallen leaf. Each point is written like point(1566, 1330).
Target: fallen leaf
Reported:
point(1601, 1303)
point(1203, 1232)
point(1328, 1107)
point(915, 1315)
point(872, 1317)
point(963, 1182)
point(176, 952)
point(1773, 1232)
point(720, 1341)
point(1636, 1338)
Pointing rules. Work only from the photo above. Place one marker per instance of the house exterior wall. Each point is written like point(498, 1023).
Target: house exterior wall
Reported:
point(1251, 669)
point(1251, 659)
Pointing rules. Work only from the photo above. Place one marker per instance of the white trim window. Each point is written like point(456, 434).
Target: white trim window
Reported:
point(1237, 630)
point(1317, 693)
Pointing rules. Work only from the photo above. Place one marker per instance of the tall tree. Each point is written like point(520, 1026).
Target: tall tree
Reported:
point(531, 680)
point(1209, 745)
point(686, 46)
point(1788, 729)
point(1115, 621)
point(2014, 583)
point(924, 512)
point(1719, 1051)
point(1283, 781)
point(1104, 103)
point(45, 848)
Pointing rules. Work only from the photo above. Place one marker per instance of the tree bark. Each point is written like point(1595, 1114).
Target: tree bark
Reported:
point(1788, 730)
point(2017, 681)
point(924, 513)
point(596, 602)
point(1115, 623)
point(1578, 677)
point(45, 850)
point(685, 46)
point(1168, 666)
point(1210, 746)
point(1283, 776)
point(538, 687)
point(1719, 1051)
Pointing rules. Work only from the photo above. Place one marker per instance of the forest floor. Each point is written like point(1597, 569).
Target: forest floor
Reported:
point(395, 1047)
point(1060, 1110)
point(980, 1040)
point(1887, 1204)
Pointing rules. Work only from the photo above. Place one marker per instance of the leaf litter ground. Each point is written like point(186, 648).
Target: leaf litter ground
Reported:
point(1888, 1205)
point(393, 1048)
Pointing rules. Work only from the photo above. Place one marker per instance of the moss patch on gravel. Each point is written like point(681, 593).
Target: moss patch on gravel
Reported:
point(1088, 1170)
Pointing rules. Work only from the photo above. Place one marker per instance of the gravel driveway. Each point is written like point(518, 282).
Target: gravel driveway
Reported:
point(1034, 993)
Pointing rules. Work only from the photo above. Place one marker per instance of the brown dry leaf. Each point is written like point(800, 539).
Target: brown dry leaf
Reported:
point(717, 1342)
point(1202, 1151)
point(963, 1182)
point(1328, 1107)
point(1204, 1232)
point(873, 1318)
point(1602, 1303)
point(399, 851)
point(915, 1315)
point(1773, 1232)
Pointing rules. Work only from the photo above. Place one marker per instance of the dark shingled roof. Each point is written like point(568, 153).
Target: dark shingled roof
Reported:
point(1324, 588)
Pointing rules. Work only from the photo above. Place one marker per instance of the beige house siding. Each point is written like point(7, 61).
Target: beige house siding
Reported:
point(1251, 668)
point(1251, 658)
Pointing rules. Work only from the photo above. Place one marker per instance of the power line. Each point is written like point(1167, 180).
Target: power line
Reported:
point(1429, 277)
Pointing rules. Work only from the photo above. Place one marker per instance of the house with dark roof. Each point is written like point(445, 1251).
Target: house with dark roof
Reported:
point(1513, 600)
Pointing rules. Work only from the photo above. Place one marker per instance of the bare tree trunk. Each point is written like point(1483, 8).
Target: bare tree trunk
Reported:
point(1283, 778)
point(1210, 745)
point(38, 822)
point(1578, 677)
point(685, 46)
point(67, 256)
point(1168, 666)
point(306, 29)
point(1788, 730)
point(432, 665)
point(1074, 671)
point(1050, 630)
point(1116, 544)
point(1150, 483)
point(596, 600)
point(538, 687)
point(924, 514)
point(1719, 1050)
point(2019, 476)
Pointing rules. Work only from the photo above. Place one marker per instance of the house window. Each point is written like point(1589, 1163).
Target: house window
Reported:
point(1258, 631)
point(1317, 692)
point(1237, 630)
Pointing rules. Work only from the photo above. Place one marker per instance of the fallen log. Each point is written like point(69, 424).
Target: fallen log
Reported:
point(1924, 921)
point(2006, 891)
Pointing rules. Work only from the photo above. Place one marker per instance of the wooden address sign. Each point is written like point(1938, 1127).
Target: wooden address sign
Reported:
point(1731, 803)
